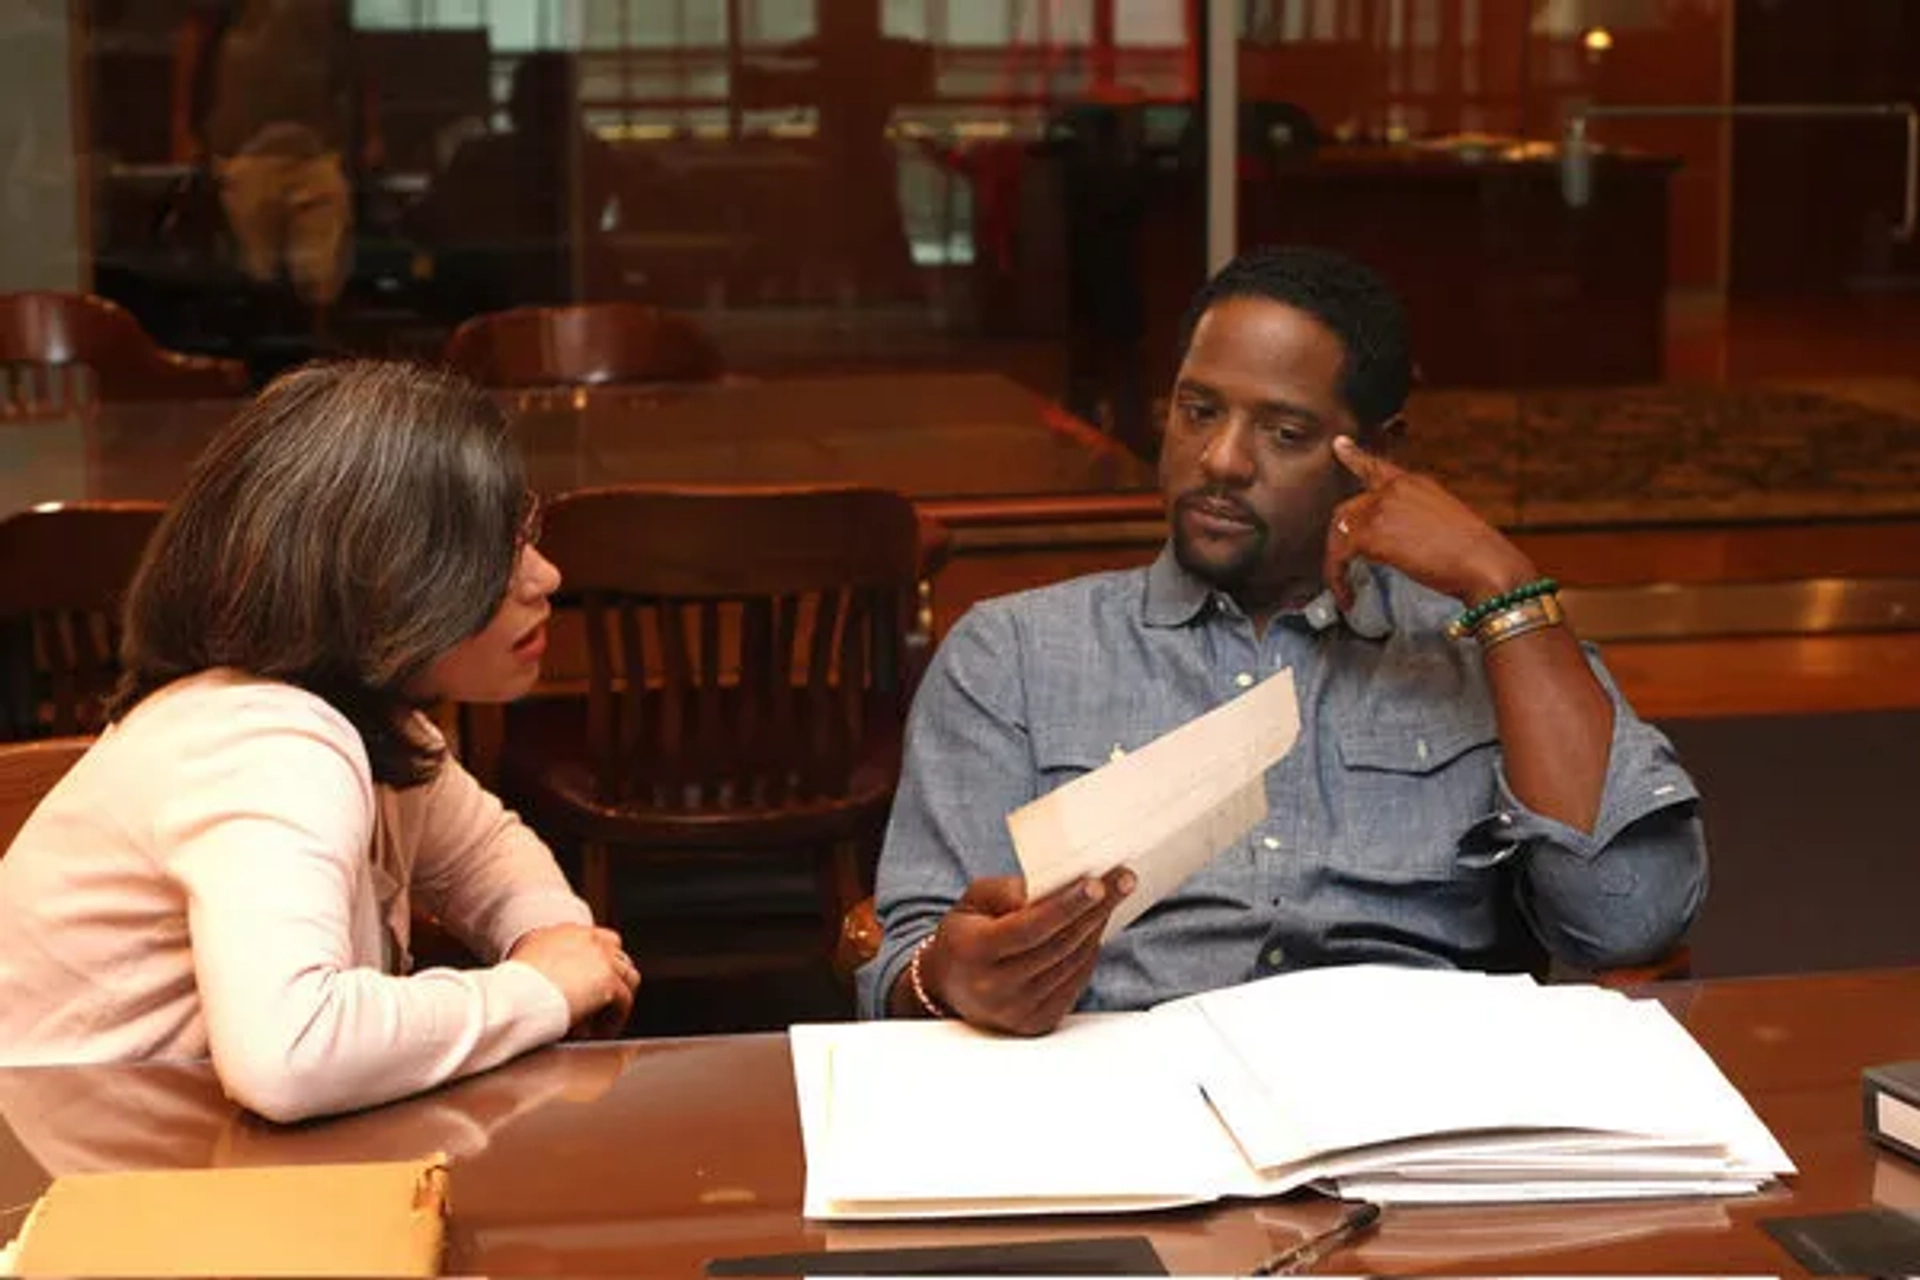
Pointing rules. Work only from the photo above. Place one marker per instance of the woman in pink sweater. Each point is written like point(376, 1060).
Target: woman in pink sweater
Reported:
point(230, 871)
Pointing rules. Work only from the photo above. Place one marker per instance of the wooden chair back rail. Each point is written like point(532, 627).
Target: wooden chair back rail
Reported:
point(33, 389)
point(748, 660)
point(61, 350)
point(72, 555)
point(697, 544)
point(78, 649)
point(740, 645)
point(741, 702)
point(63, 573)
point(582, 346)
point(28, 770)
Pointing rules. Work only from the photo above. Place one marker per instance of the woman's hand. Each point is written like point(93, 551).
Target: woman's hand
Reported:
point(593, 972)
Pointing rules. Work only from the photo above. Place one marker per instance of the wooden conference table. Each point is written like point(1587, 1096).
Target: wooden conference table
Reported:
point(651, 1157)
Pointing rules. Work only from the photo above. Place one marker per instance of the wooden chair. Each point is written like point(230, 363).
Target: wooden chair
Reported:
point(585, 345)
point(63, 571)
point(750, 659)
point(28, 771)
point(49, 342)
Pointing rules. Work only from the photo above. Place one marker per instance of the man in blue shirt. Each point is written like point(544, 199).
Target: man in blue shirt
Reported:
point(1471, 798)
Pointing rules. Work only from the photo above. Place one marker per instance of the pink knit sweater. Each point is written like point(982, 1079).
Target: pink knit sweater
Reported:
point(221, 876)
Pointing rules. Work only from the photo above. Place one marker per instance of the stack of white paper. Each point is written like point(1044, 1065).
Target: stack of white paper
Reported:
point(1393, 1085)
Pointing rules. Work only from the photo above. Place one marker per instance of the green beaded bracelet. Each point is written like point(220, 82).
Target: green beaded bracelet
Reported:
point(1462, 627)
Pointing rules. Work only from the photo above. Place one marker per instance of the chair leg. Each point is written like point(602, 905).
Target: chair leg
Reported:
point(596, 877)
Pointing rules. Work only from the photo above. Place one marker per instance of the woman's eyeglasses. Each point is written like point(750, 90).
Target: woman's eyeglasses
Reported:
point(529, 534)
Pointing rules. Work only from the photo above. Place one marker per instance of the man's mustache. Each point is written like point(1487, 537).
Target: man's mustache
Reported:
point(1220, 502)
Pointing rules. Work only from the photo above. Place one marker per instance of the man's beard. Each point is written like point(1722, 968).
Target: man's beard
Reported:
point(1237, 570)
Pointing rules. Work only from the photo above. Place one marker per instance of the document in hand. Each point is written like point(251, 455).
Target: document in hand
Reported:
point(1394, 1085)
point(1165, 810)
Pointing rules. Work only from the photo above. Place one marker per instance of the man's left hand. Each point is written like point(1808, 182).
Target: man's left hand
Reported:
point(1408, 522)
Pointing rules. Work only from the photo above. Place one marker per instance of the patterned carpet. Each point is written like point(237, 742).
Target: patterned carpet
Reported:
point(1675, 453)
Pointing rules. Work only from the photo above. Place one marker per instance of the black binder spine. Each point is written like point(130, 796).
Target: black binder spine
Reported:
point(1890, 1102)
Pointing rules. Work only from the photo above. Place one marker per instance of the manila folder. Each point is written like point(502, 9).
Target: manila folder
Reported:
point(385, 1219)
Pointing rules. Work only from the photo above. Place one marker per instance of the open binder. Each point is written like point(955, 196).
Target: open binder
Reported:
point(1393, 1085)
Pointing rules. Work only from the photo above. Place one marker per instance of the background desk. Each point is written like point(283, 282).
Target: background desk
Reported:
point(654, 1156)
point(930, 436)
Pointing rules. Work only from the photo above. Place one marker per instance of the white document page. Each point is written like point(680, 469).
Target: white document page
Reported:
point(1461, 1054)
point(1536, 1191)
point(1097, 1117)
point(1165, 810)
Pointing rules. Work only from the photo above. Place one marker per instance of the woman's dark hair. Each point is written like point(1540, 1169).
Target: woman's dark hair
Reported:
point(353, 523)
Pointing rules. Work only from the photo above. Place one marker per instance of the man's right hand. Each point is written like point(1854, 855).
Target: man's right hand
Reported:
point(1005, 964)
point(588, 965)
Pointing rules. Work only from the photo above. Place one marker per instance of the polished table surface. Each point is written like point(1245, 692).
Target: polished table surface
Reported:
point(928, 435)
point(651, 1157)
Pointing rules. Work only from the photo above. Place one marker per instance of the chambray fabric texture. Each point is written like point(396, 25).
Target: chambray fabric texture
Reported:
point(1392, 834)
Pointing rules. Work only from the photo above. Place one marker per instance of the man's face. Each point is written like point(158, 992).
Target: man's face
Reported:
point(1247, 465)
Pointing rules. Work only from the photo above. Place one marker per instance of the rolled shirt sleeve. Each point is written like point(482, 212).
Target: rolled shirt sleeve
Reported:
point(1625, 891)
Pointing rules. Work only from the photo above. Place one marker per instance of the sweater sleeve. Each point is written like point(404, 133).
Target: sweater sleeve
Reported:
point(267, 834)
point(481, 870)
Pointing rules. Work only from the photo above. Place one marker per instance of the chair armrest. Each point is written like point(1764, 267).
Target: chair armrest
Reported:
point(860, 936)
point(1673, 966)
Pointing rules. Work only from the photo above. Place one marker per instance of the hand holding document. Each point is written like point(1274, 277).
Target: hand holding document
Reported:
point(1165, 810)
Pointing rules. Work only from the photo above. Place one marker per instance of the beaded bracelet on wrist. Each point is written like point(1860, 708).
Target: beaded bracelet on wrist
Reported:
point(1518, 620)
point(928, 1004)
point(1463, 626)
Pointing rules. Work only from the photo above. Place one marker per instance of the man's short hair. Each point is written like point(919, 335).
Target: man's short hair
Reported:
point(1348, 298)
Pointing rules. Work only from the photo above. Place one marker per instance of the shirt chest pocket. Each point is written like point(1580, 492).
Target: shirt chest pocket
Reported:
point(1412, 788)
point(1062, 755)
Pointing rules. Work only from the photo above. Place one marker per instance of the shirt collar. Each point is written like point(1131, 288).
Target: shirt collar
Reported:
point(1175, 598)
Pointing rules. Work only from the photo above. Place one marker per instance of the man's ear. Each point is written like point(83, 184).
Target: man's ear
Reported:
point(1387, 438)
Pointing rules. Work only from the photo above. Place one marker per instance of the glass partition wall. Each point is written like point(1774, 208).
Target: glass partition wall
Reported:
point(825, 186)
point(1652, 249)
point(1659, 254)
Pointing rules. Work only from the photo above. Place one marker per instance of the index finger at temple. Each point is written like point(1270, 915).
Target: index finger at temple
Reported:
point(1370, 469)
